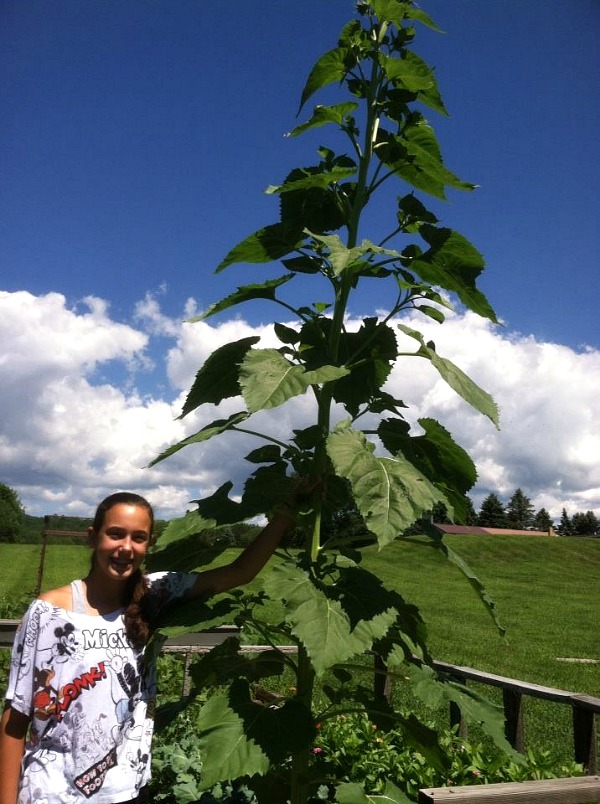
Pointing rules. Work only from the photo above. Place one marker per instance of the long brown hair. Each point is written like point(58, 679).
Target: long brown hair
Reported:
point(138, 613)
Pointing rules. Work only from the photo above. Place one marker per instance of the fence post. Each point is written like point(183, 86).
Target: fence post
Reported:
point(513, 714)
point(382, 683)
point(584, 737)
point(187, 681)
point(456, 718)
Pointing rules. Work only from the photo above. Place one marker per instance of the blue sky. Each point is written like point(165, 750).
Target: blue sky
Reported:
point(137, 139)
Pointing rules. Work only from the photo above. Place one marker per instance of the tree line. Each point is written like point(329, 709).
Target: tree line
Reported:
point(518, 513)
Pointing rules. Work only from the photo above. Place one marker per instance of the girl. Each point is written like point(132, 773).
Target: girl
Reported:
point(78, 683)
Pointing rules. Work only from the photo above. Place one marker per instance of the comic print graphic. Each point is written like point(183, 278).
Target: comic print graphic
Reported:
point(49, 701)
point(66, 644)
point(91, 780)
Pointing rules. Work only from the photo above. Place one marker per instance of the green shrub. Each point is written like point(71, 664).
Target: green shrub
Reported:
point(351, 748)
point(177, 767)
point(12, 607)
point(348, 748)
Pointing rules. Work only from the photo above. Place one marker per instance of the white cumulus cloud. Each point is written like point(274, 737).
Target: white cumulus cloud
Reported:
point(72, 429)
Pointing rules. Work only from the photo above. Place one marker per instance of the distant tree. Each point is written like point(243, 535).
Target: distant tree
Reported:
point(585, 524)
point(471, 513)
point(565, 526)
point(519, 511)
point(491, 513)
point(439, 513)
point(542, 520)
point(345, 524)
point(12, 514)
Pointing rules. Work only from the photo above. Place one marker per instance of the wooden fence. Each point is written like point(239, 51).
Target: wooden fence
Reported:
point(584, 708)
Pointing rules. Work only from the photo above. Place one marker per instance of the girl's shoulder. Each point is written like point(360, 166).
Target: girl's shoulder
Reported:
point(61, 597)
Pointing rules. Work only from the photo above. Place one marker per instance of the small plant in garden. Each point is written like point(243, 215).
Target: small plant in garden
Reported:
point(13, 606)
point(360, 443)
point(354, 749)
point(347, 748)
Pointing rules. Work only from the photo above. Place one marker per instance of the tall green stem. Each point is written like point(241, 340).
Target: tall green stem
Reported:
point(300, 760)
point(344, 285)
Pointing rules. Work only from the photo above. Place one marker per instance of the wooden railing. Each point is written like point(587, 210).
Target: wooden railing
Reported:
point(575, 790)
point(584, 707)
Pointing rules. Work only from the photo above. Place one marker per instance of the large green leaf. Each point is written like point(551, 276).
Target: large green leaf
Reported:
point(267, 379)
point(372, 350)
point(422, 145)
point(215, 428)
point(225, 663)
point(392, 150)
point(221, 508)
point(182, 527)
point(322, 115)
point(267, 244)
point(184, 555)
point(413, 74)
point(429, 95)
point(435, 454)
point(390, 493)
point(343, 258)
point(226, 750)
point(238, 737)
point(368, 353)
point(364, 597)
point(476, 709)
point(331, 66)
point(312, 198)
point(264, 290)
point(353, 793)
point(317, 180)
point(454, 264)
point(413, 13)
point(197, 615)
point(266, 487)
point(397, 12)
point(455, 377)
point(320, 621)
point(218, 378)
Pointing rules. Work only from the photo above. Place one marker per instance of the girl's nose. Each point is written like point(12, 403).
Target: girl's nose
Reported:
point(125, 546)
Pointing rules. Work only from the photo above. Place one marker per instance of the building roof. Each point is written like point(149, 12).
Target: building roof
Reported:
point(475, 530)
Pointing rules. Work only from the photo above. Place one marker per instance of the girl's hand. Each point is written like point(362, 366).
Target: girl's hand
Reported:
point(301, 496)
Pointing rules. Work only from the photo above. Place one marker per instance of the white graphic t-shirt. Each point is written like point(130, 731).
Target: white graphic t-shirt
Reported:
point(90, 700)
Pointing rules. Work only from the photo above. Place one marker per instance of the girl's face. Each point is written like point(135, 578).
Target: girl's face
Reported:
point(122, 542)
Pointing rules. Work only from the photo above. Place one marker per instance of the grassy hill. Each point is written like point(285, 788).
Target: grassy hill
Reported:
point(545, 590)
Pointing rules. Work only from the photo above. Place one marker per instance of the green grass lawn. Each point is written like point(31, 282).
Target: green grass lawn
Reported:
point(546, 594)
point(545, 590)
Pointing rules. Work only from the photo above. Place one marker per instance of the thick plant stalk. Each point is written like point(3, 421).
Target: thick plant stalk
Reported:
point(299, 783)
point(343, 290)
